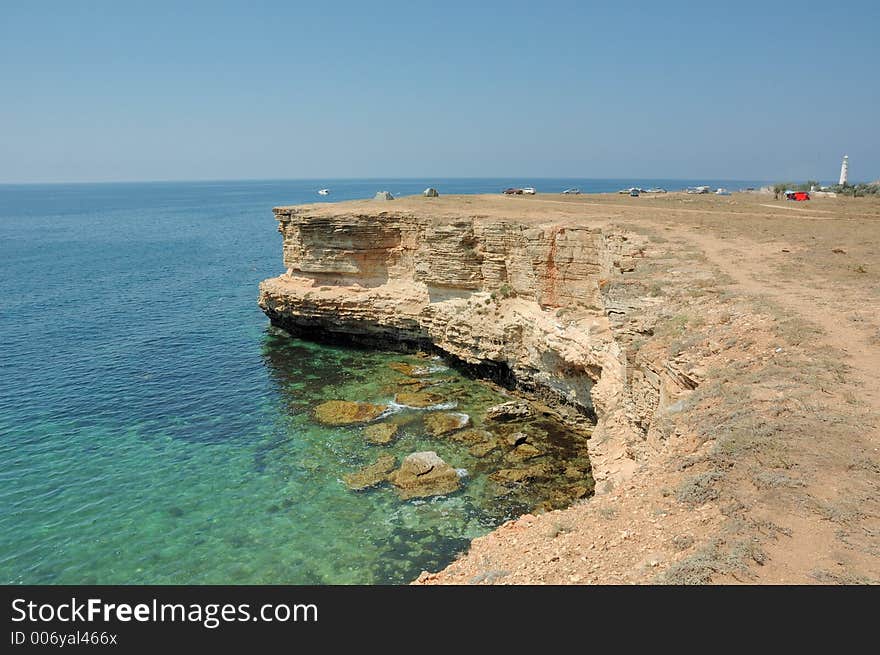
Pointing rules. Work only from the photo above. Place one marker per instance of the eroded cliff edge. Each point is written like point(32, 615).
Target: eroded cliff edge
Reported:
point(736, 440)
point(542, 306)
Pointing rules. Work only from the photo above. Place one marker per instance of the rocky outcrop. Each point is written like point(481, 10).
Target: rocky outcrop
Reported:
point(552, 309)
point(419, 399)
point(440, 423)
point(420, 475)
point(424, 474)
point(381, 433)
point(519, 302)
point(370, 476)
point(509, 411)
point(346, 412)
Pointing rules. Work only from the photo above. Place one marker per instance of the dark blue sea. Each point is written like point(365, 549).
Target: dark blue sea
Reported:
point(155, 429)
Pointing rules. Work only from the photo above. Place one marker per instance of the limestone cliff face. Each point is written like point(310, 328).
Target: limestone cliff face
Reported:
point(530, 304)
point(521, 300)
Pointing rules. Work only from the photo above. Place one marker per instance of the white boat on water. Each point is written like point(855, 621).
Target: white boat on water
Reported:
point(324, 192)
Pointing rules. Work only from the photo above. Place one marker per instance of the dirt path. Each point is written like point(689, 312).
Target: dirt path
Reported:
point(747, 264)
point(841, 538)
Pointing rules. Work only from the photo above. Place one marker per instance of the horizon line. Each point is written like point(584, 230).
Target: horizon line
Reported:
point(346, 179)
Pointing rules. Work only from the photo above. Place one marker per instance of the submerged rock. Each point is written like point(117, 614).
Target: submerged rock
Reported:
point(402, 367)
point(509, 476)
point(482, 442)
point(413, 384)
point(579, 490)
point(418, 398)
point(440, 423)
point(483, 448)
point(346, 412)
point(410, 370)
point(381, 433)
point(574, 473)
point(474, 435)
point(524, 452)
point(509, 411)
point(563, 496)
point(371, 475)
point(406, 385)
point(424, 474)
point(516, 476)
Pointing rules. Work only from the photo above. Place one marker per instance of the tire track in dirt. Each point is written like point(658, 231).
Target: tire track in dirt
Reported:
point(842, 548)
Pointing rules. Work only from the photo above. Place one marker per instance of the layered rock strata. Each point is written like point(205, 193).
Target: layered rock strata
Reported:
point(540, 307)
point(519, 301)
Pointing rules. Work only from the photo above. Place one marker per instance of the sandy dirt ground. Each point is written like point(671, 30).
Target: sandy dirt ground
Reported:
point(770, 473)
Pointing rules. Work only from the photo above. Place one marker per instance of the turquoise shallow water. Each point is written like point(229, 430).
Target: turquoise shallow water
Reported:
point(155, 429)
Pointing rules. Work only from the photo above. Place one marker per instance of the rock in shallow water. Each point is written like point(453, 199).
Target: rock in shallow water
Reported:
point(474, 435)
point(424, 474)
point(381, 433)
point(509, 411)
point(483, 448)
point(418, 399)
point(440, 423)
point(523, 452)
point(371, 475)
point(346, 412)
point(410, 370)
point(412, 384)
point(574, 473)
point(515, 476)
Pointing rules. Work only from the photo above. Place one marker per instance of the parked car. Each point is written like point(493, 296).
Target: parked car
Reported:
point(529, 191)
point(572, 192)
point(634, 193)
point(513, 192)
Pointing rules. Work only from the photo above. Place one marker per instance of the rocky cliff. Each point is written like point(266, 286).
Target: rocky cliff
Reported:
point(539, 305)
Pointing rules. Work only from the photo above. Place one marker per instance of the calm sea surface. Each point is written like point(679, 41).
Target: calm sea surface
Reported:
point(155, 429)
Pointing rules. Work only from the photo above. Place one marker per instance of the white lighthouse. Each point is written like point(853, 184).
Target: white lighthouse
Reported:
point(844, 171)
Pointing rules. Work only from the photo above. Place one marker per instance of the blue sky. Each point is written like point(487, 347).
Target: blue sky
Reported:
point(98, 91)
